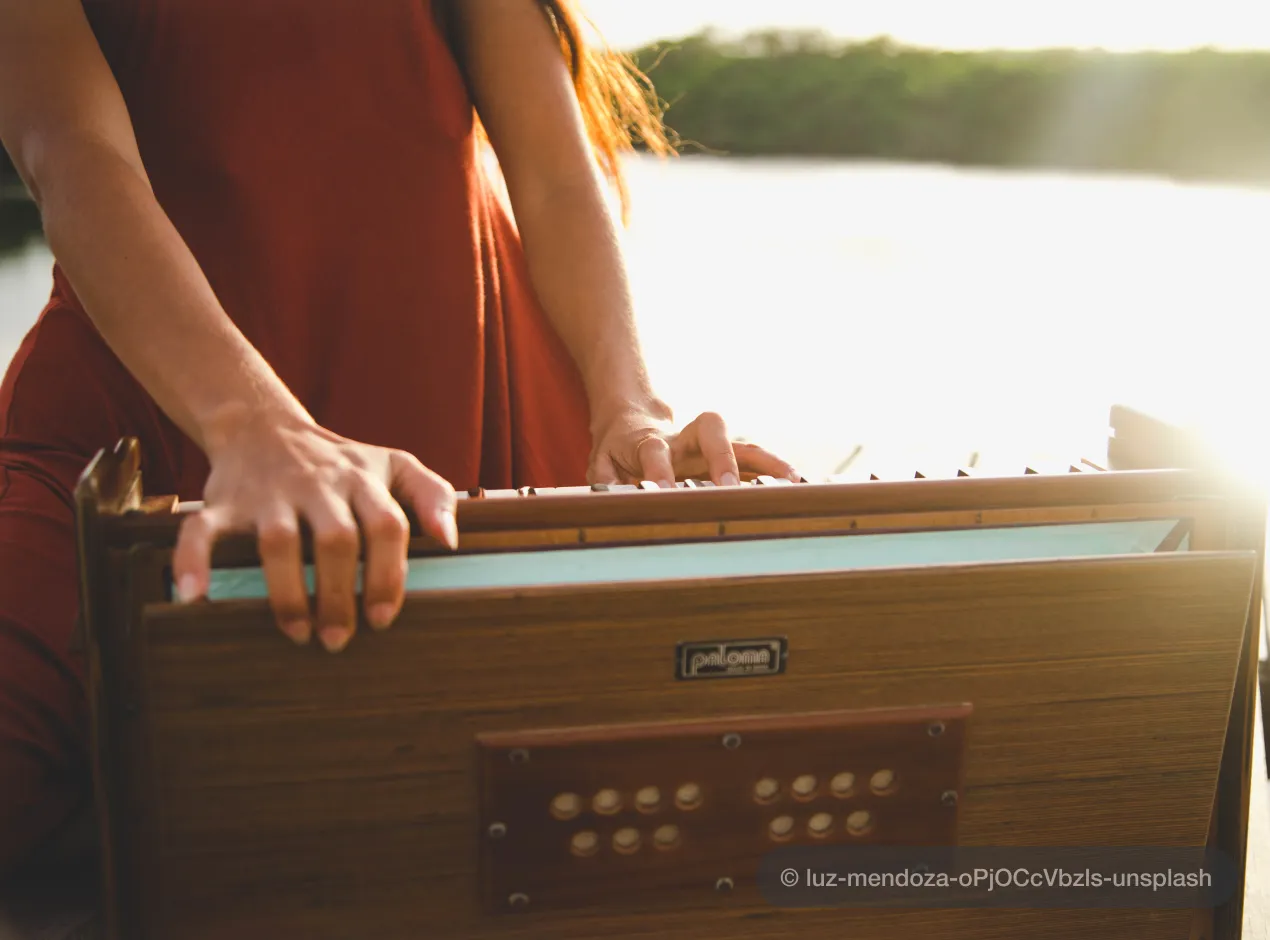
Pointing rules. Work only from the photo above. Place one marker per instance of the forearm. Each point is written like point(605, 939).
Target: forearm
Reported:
point(144, 291)
point(575, 262)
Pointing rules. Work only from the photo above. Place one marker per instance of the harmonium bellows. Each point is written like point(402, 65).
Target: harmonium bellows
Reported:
point(633, 712)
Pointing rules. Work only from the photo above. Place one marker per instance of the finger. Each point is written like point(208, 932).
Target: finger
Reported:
point(386, 533)
point(604, 471)
point(754, 459)
point(278, 534)
point(655, 462)
point(709, 432)
point(430, 496)
point(335, 548)
point(192, 556)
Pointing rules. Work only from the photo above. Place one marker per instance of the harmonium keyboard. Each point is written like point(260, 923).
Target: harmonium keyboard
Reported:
point(983, 706)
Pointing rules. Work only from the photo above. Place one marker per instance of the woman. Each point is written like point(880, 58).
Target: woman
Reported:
point(281, 266)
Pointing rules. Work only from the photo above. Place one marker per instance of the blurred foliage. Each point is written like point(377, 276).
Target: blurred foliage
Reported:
point(19, 223)
point(1198, 114)
point(9, 180)
point(19, 219)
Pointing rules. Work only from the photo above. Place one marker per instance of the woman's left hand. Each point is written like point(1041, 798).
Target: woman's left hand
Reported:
point(637, 444)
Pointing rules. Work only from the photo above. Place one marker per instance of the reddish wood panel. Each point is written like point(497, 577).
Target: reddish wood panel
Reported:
point(659, 813)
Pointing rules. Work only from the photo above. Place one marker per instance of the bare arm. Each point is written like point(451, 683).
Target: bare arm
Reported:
point(525, 96)
point(64, 122)
point(527, 102)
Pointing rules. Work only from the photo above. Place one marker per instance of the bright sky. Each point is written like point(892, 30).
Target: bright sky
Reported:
point(1113, 24)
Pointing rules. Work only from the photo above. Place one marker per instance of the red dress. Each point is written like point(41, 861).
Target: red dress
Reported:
point(321, 163)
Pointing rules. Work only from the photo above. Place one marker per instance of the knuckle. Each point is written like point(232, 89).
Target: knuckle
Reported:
point(386, 579)
point(407, 459)
point(199, 532)
point(410, 465)
point(323, 479)
point(278, 537)
point(654, 442)
point(195, 528)
point(366, 479)
point(364, 458)
point(386, 524)
point(337, 537)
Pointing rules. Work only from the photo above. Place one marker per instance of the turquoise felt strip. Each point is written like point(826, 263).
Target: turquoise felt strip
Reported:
point(769, 556)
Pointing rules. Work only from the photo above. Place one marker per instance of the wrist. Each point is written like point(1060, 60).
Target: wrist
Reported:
point(614, 404)
point(617, 382)
point(230, 421)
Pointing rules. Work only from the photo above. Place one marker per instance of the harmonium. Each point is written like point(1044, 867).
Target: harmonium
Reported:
point(953, 706)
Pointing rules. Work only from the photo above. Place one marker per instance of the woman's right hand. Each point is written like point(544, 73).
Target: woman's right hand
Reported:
point(267, 475)
point(67, 125)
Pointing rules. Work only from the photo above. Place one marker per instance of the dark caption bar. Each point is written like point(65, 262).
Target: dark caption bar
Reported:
point(984, 877)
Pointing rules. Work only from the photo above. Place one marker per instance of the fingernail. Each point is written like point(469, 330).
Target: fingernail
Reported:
point(297, 631)
point(449, 528)
point(335, 638)
point(795, 476)
point(187, 588)
point(381, 616)
point(729, 479)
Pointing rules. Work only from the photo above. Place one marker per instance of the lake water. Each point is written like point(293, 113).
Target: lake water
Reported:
point(924, 312)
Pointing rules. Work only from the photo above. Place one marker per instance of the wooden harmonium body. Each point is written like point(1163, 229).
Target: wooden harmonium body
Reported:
point(609, 713)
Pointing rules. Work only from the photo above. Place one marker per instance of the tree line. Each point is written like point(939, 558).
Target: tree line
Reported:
point(1199, 114)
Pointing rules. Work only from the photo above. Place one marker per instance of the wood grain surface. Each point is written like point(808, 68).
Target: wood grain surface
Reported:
point(287, 792)
point(1256, 914)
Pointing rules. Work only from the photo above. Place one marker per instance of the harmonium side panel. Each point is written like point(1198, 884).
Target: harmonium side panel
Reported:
point(1140, 441)
point(1236, 525)
point(294, 793)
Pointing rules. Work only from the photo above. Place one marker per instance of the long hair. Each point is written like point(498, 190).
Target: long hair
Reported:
point(619, 104)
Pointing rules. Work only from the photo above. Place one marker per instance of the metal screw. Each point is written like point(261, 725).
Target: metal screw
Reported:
point(949, 798)
point(497, 830)
point(731, 741)
point(518, 899)
point(723, 884)
point(518, 756)
point(935, 729)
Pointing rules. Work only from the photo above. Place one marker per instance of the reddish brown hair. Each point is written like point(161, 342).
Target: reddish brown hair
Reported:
point(618, 103)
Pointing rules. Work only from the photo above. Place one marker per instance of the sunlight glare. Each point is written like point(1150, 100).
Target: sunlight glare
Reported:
point(1007, 24)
